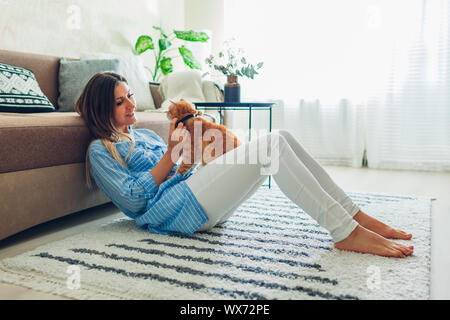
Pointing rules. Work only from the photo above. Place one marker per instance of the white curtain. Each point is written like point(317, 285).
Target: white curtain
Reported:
point(409, 124)
point(356, 77)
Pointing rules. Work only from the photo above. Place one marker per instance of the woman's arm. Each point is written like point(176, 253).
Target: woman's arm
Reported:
point(165, 165)
point(129, 191)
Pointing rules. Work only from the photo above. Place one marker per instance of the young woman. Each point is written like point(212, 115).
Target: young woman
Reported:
point(132, 166)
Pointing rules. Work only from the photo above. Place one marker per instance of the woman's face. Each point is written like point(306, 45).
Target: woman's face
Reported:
point(125, 106)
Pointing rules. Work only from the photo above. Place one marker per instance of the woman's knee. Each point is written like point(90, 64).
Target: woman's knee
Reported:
point(289, 138)
point(285, 133)
point(272, 136)
point(277, 139)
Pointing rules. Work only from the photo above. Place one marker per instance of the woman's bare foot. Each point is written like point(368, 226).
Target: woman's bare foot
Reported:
point(366, 241)
point(378, 227)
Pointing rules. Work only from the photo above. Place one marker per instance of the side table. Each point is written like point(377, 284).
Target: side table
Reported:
point(249, 106)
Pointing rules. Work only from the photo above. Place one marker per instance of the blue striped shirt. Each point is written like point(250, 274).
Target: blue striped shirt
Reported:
point(169, 208)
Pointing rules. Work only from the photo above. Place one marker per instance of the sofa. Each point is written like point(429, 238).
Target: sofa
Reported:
point(42, 155)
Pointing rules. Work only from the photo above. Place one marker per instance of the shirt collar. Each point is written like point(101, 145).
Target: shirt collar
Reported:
point(130, 130)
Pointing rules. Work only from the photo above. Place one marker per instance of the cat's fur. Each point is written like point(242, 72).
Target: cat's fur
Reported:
point(229, 141)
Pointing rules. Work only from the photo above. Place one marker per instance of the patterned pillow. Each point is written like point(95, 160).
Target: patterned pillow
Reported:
point(20, 92)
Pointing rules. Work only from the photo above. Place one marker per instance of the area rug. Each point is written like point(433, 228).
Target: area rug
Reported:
point(269, 249)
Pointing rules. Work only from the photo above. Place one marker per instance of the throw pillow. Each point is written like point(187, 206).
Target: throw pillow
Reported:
point(132, 68)
point(20, 92)
point(212, 91)
point(74, 75)
point(181, 84)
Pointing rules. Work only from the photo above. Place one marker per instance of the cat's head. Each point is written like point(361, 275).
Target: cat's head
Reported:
point(180, 110)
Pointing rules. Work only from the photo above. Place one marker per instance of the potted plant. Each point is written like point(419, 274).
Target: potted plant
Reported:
point(233, 64)
point(163, 61)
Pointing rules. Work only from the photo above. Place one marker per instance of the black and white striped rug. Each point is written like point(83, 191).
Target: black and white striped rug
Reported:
point(269, 249)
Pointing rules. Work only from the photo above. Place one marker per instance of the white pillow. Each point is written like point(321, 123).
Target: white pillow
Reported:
point(210, 91)
point(132, 68)
point(178, 85)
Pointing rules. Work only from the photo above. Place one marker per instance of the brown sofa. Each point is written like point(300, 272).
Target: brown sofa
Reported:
point(42, 154)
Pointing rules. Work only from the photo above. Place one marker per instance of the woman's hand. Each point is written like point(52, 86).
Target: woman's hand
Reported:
point(177, 137)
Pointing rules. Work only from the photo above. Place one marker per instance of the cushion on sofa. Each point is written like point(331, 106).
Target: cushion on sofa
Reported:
point(185, 85)
point(44, 67)
point(20, 92)
point(132, 68)
point(41, 140)
point(190, 86)
point(74, 75)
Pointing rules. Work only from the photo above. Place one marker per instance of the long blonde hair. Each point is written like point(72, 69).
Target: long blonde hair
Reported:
point(96, 106)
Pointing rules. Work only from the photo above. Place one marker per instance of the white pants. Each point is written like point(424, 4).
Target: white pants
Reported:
point(222, 186)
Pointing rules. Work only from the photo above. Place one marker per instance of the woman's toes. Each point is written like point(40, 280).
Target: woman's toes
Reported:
point(398, 253)
point(366, 241)
point(392, 233)
point(403, 235)
point(405, 250)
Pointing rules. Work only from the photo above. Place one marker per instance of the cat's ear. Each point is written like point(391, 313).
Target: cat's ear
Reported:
point(181, 99)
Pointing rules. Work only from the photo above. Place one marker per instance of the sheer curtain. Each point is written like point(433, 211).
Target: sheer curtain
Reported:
point(347, 74)
point(409, 124)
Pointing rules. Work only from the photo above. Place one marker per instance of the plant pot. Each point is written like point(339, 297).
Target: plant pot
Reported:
point(232, 90)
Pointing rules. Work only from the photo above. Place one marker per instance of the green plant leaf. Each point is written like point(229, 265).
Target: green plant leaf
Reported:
point(160, 30)
point(249, 71)
point(221, 69)
point(164, 44)
point(209, 60)
point(143, 44)
point(188, 58)
point(259, 65)
point(191, 35)
point(166, 65)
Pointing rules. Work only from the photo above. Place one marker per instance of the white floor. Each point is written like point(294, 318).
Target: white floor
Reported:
point(431, 184)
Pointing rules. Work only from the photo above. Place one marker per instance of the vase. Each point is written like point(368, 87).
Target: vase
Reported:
point(232, 90)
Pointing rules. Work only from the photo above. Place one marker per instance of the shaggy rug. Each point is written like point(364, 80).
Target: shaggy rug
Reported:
point(269, 249)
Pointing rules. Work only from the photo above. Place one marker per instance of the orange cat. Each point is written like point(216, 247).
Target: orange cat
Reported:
point(217, 140)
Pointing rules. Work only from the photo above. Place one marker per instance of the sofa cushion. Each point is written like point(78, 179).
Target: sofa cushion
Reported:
point(178, 85)
point(20, 92)
point(132, 68)
point(74, 75)
point(45, 69)
point(39, 140)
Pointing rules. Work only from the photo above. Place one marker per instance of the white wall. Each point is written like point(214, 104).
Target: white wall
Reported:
point(172, 14)
point(70, 27)
point(207, 15)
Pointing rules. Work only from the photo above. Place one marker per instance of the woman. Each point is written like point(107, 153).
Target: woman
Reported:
point(132, 166)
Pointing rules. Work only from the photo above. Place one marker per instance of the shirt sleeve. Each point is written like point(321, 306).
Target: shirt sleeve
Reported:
point(127, 190)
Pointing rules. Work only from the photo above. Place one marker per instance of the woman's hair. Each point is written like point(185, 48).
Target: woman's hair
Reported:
point(96, 106)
